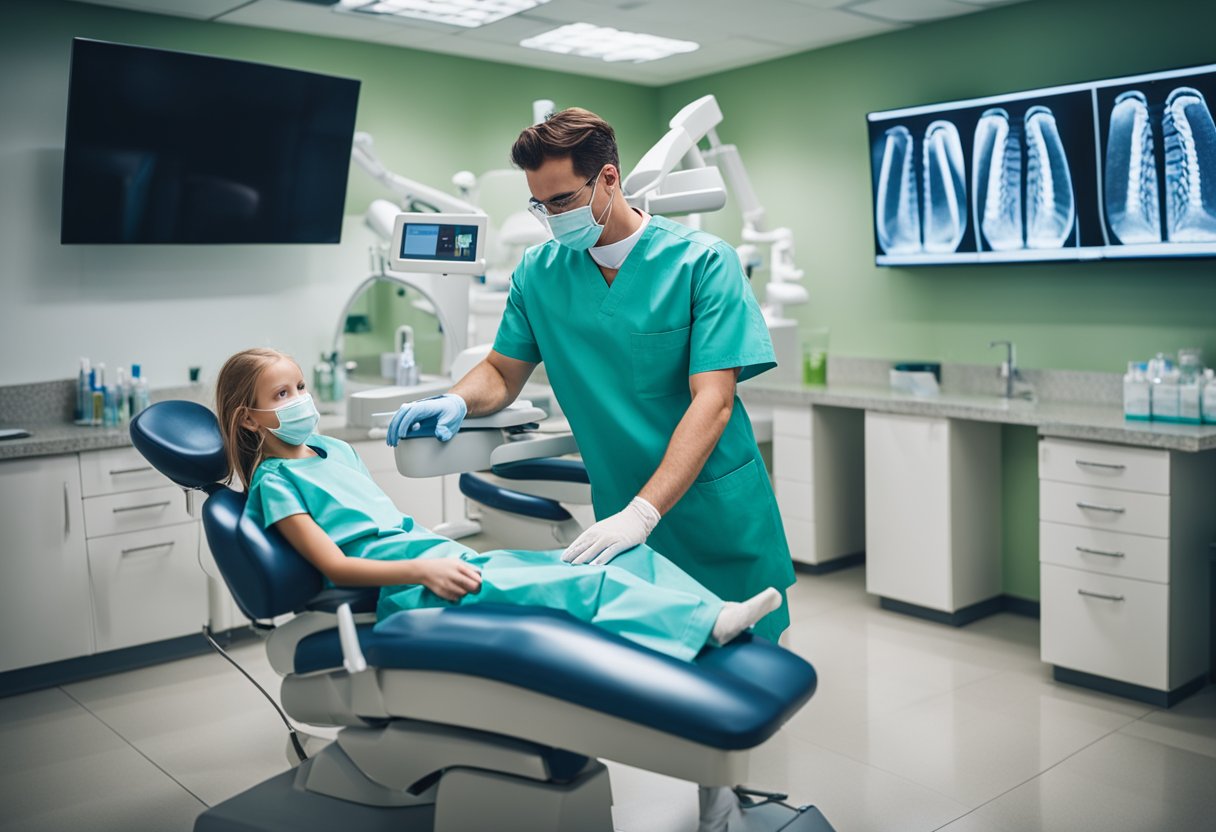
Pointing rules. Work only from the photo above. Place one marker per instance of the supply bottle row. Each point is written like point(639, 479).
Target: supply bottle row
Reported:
point(1163, 391)
point(101, 402)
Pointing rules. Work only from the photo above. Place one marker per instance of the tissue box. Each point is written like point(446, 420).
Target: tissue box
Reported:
point(915, 382)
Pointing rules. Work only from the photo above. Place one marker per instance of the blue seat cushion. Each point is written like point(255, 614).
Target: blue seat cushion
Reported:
point(513, 502)
point(732, 698)
point(548, 469)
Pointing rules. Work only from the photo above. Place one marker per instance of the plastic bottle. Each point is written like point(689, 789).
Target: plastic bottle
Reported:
point(1208, 397)
point(131, 403)
point(99, 395)
point(1165, 397)
point(1189, 399)
point(122, 396)
point(142, 399)
point(323, 379)
point(1137, 390)
point(84, 401)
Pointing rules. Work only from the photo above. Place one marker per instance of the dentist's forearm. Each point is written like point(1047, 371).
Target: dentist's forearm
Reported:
point(484, 390)
point(694, 439)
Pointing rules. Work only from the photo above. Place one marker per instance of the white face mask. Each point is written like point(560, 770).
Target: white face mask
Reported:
point(297, 419)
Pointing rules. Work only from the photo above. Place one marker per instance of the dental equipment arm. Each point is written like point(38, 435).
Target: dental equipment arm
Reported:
point(411, 195)
point(655, 185)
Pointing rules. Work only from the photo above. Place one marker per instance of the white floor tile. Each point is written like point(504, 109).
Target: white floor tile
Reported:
point(64, 769)
point(1119, 784)
point(1191, 724)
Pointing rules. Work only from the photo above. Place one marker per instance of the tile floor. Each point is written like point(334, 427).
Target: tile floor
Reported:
point(915, 726)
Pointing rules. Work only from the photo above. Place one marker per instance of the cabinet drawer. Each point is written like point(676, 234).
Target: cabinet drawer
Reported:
point(792, 421)
point(1105, 508)
point(134, 510)
point(1107, 626)
point(147, 586)
point(1111, 553)
point(115, 470)
point(792, 458)
point(795, 500)
point(1106, 466)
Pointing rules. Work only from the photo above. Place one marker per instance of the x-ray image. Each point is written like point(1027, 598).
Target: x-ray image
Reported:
point(1159, 163)
point(920, 197)
point(945, 188)
point(896, 211)
point(1190, 167)
point(1050, 206)
point(996, 174)
point(1131, 172)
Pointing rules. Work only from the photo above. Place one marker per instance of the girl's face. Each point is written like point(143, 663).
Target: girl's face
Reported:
point(279, 383)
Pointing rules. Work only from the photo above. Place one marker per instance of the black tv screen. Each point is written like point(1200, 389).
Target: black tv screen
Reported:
point(1124, 167)
point(170, 147)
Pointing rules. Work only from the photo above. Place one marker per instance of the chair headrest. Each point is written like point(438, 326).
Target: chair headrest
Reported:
point(182, 440)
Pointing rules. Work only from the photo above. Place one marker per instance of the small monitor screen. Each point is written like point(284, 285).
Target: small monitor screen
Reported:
point(439, 241)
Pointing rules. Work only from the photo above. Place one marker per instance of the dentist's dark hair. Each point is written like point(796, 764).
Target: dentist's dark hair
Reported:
point(236, 390)
point(587, 139)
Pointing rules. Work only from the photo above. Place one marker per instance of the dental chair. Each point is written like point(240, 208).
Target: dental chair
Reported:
point(482, 717)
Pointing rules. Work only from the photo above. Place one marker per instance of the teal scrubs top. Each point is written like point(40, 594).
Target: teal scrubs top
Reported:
point(618, 359)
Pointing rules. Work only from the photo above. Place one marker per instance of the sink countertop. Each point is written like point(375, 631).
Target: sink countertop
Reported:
point(1064, 419)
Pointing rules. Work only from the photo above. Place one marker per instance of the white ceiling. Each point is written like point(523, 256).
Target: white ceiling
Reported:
point(732, 33)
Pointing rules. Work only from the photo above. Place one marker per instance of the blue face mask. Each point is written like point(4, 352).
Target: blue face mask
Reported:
point(577, 229)
point(297, 419)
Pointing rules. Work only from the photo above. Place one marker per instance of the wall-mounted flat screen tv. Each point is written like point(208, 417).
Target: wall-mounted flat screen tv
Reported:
point(1124, 167)
point(170, 147)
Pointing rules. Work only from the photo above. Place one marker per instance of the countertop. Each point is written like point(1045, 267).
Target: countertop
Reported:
point(1069, 420)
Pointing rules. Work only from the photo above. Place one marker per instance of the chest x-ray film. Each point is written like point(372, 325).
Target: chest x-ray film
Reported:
point(1119, 168)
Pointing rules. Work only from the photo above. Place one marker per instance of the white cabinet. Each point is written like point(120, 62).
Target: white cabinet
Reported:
point(819, 480)
point(143, 553)
point(45, 605)
point(933, 514)
point(421, 498)
point(1123, 542)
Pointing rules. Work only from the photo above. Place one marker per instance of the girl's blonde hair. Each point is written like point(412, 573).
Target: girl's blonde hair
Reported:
point(235, 390)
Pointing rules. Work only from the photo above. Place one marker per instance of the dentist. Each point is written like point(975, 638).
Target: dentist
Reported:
point(645, 326)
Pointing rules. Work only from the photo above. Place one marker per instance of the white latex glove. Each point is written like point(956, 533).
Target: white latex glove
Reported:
point(613, 535)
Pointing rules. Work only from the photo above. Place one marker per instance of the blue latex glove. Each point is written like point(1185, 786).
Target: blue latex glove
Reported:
point(445, 413)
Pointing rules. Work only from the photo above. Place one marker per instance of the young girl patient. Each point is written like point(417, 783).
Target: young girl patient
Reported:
point(320, 496)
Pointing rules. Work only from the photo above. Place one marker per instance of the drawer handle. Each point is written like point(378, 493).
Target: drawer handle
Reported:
point(1100, 507)
point(138, 470)
point(1089, 594)
point(1110, 466)
point(1089, 551)
point(135, 549)
point(161, 504)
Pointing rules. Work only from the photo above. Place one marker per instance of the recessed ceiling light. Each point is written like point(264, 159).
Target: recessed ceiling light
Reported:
point(467, 13)
point(588, 41)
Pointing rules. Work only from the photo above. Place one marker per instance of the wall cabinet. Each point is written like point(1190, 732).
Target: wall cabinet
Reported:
point(1123, 543)
point(933, 514)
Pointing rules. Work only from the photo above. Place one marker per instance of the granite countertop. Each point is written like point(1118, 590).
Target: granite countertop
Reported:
point(1070, 420)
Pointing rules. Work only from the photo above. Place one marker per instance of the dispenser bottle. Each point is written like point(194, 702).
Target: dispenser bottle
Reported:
point(84, 394)
point(1136, 393)
point(1208, 396)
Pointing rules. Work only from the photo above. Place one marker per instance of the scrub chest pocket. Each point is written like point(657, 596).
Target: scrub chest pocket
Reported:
point(660, 362)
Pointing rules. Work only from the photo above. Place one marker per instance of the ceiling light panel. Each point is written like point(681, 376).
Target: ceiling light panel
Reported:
point(467, 13)
point(607, 44)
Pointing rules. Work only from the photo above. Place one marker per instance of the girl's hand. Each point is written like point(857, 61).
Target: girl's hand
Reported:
point(450, 578)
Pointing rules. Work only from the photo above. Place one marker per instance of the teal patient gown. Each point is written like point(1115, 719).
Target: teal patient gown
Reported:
point(640, 596)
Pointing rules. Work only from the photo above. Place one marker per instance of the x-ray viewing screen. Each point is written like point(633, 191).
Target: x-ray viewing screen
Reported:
point(435, 241)
point(1118, 168)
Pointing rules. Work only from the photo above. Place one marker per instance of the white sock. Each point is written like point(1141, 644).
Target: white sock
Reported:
point(737, 617)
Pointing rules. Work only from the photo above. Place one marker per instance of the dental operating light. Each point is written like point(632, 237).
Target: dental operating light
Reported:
point(588, 41)
point(467, 13)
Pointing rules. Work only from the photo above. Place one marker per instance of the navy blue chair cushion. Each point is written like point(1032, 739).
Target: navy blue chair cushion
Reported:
point(514, 502)
point(182, 440)
point(550, 469)
point(732, 698)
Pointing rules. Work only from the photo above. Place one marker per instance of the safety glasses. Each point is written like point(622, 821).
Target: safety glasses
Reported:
point(558, 204)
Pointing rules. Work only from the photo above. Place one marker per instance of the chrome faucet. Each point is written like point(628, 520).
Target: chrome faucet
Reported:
point(1009, 369)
